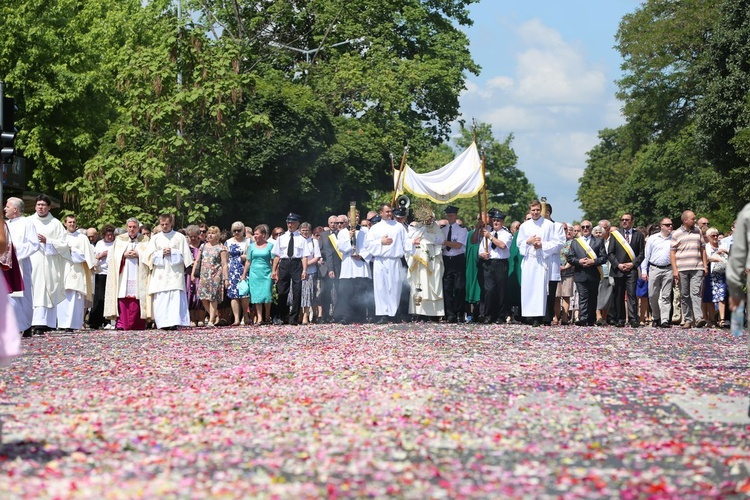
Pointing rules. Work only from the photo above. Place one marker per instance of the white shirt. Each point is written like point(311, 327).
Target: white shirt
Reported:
point(458, 235)
point(300, 246)
point(657, 251)
point(497, 253)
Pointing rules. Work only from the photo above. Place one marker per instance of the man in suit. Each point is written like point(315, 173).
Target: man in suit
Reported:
point(586, 255)
point(626, 253)
point(330, 268)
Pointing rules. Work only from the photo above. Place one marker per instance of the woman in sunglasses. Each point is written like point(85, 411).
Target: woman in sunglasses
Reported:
point(236, 255)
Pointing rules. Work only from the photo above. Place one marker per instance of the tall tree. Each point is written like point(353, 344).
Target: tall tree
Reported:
point(723, 115)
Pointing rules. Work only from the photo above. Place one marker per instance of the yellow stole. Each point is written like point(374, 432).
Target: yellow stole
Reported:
point(624, 244)
point(335, 243)
point(590, 252)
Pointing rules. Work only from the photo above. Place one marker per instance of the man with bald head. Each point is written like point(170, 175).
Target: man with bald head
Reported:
point(657, 270)
point(26, 243)
point(689, 265)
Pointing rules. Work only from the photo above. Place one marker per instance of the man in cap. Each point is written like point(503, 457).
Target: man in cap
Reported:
point(290, 255)
point(494, 250)
point(454, 258)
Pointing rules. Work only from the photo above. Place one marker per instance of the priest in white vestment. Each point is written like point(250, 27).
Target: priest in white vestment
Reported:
point(78, 280)
point(126, 298)
point(25, 242)
point(168, 254)
point(47, 266)
point(387, 242)
point(426, 267)
point(538, 243)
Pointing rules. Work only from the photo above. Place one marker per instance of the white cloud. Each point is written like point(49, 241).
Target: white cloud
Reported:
point(554, 100)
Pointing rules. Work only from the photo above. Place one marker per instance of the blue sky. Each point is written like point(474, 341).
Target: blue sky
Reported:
point(548, 76)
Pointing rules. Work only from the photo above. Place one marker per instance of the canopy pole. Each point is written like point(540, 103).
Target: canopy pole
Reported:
point(400, 173)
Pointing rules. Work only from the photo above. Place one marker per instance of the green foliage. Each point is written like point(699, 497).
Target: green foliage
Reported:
point(56, 56)
point(685, 92)
point(256, 129)
point(723, 115)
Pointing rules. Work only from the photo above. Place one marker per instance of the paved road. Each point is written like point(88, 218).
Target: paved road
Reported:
point(417, 411)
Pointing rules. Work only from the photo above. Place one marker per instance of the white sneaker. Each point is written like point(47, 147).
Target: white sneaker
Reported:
point(108, 326)
point(209, 324)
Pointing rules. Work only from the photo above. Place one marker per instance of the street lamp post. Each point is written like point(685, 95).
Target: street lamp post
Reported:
point(309, 52)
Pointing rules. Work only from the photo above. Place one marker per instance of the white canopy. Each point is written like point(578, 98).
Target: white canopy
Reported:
point(461, 178)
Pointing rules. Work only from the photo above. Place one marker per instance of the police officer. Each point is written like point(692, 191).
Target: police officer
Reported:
point(290, 268)
point(454, 259)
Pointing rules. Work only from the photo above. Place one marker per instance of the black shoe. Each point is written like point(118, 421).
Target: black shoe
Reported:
point(635, 324)
point(451, 319)
point(382, 320)
point(536, 323)
point(620, 324)
point(28, 333)
point(581, 323)
point(666, 324)
point(293, 322)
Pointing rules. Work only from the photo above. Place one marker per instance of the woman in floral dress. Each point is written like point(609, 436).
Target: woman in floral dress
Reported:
point(214, 275)
point(236, 255)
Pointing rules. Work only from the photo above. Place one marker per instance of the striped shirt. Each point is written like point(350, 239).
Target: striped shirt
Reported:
point(687, 246)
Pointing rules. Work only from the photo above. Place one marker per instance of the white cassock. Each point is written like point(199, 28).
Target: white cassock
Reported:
point(426, 270)
point(77, 282)
point(536, 266)
point(46, 270)
point(167, 282)
point(386, 267)
point(26, 242)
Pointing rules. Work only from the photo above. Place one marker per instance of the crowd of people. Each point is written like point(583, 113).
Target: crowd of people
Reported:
point(384, 267)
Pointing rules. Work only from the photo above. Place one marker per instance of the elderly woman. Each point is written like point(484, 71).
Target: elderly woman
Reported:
point(309, 300)
point(717, 258)
point(197, 313)
point(213, 273)
point(236, 256)
point(258, 267)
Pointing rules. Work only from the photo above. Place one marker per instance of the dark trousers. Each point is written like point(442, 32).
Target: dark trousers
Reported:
point(494, 279)
point(625, 284)
point(454, 285)
point(588, 292)
point(551, 298)
point(96, 315)
point(328, 295)
point(353, 303)
point(290, 277)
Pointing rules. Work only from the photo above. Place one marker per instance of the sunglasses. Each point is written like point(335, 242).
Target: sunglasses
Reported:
point(277, 234)
point(667, 225)
point(585, 226)
point(236, 230)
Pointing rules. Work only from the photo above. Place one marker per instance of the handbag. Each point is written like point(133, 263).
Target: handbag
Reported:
point(720, 267)
point(197, 264)
point(243, 287)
